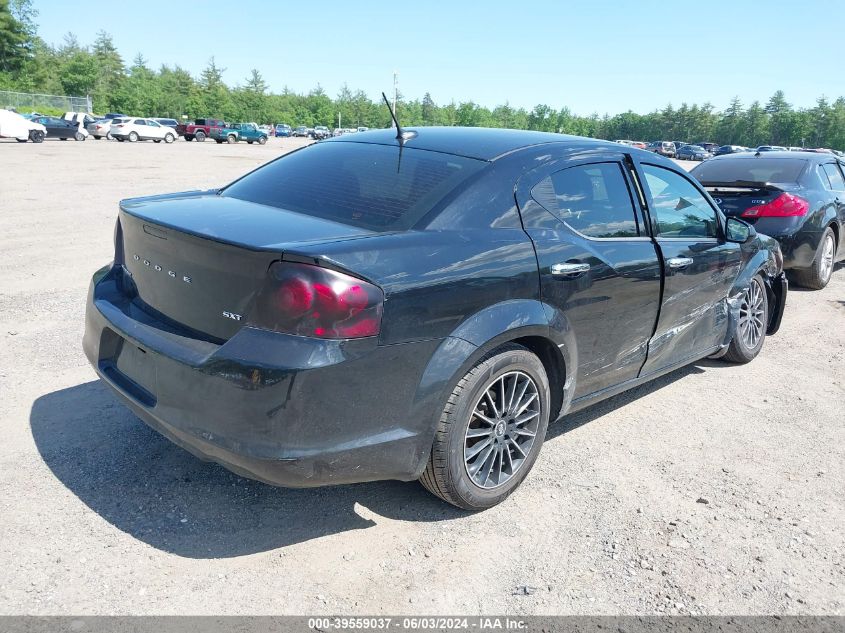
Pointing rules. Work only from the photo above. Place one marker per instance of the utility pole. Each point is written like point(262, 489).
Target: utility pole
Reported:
point(395, 91)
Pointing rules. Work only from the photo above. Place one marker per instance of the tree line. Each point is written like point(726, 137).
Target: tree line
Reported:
point(29, 64)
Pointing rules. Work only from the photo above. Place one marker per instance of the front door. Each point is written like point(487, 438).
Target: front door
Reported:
point(700, 268)
point(598, 267)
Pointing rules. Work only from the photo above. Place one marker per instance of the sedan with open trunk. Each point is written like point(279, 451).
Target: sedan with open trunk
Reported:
point(419, 304)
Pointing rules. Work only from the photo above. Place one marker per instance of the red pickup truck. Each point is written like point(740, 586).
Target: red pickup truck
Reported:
point(201, 129)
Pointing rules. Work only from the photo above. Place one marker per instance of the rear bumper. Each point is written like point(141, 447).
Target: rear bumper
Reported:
point(282, 409)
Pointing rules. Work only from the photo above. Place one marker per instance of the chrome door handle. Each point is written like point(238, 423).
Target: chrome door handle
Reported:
point(569, 269)
point(679, 262)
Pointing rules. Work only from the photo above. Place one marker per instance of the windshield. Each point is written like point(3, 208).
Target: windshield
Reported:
point(358, 184)
point(779, 170)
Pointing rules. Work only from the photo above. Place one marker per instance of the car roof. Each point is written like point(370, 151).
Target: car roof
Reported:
point(471, 142)
point(816, 156)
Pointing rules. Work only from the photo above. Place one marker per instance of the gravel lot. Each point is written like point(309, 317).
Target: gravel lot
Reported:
point(717, 489)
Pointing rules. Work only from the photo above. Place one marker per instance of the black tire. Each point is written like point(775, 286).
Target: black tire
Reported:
point(447, 473)
point(120, 140)
point(748, 340)
point(818, 275)
point(133, 137)
point(21, 140)
point(36, 136)
point(262, 140)
point(79, 136)
point(250, 142)
point(97, 138)
point(200, 136)
point(156, 140)
point(169, 138)
point(231, 139)
point(219, 142)
point(109, 137)
point(63, 139)
point(189, 138)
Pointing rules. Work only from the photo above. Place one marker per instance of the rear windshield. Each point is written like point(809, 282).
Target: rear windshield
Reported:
point(359, 184)
point(781, 170)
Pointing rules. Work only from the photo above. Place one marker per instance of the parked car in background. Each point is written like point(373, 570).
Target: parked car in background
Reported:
point(709, 147)
point(457, 352)
point(62, 129)
point(141, 129)
point(320, 132)
point(362, 128)
point(729, 149)
point(678, 145)
point(283, 129)
point(301, 131)
point(770, 148)
point(201, 129)
point(664, 148)
point(13, 125)
point(693, 152)
point(101, 128)
point(625, 142)
point(173, 124)
point(82, 119)
point(797, 198)
point(249, 132)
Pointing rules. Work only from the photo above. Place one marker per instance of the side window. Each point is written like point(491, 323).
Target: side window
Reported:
point(153, 124)
point(678, 207)
point(834, 176)
point(594, 200)
point(139, 122)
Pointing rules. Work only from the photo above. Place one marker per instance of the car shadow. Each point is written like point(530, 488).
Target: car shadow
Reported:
point(155, 491)
point(162, 495)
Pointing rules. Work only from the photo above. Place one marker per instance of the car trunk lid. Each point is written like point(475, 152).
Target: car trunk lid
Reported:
point(734, 198)
point(198, 261)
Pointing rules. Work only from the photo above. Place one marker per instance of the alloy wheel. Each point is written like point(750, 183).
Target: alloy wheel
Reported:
point(502, 429)
point(751, 315)
point(826, 264)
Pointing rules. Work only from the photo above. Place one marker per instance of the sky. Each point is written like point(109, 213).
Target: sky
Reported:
point(603, 56)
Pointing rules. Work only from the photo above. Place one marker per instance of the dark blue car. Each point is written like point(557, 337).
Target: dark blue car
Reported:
point(420, 304)
point(283, 129)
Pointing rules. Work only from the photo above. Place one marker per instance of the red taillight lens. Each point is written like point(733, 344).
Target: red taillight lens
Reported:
point(784, 206)
point(313, 301)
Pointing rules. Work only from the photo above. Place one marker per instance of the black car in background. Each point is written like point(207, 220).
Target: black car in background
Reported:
point(729, 149)
point(692, 152)
point(796, 197)
point(60, 128)
point(172, 123)
point(421, 307)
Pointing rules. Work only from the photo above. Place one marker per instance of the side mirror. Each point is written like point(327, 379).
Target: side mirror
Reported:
point(738, 231)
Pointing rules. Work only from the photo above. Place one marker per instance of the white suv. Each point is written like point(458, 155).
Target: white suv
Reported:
point(132, 129)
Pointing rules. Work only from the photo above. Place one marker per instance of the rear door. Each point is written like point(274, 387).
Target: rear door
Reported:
point(598, 266)
point(699, 266)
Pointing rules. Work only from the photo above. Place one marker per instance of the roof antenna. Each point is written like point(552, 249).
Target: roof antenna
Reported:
point(400, 135)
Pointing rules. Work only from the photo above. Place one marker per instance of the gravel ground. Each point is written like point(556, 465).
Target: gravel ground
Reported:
point(717, 489)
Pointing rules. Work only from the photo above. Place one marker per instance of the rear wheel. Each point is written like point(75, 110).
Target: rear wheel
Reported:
point(189, 138)
point(818, 275)
point(491, 430)
point(156, 140)
point(750, 333)
point(231, 139)
point(109, 137)
point(79, 136)
point(133, 136)
point(200, 136)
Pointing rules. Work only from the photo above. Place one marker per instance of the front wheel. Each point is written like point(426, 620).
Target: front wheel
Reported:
point(169, 138)
point(818, 274)
point(491, 430)
point(36, 136)
point(750, 333)
point(262, 140)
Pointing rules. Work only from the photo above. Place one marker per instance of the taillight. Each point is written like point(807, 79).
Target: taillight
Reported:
point(313, 301)
point(784, 206)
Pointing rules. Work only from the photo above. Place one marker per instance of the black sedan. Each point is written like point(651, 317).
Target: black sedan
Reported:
point(419, 304)
point(692, 152)
point(61, 129)
point(796, 197)
point(729, 149)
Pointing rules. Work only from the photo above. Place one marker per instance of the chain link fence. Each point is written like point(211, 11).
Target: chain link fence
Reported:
point(25, 102)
